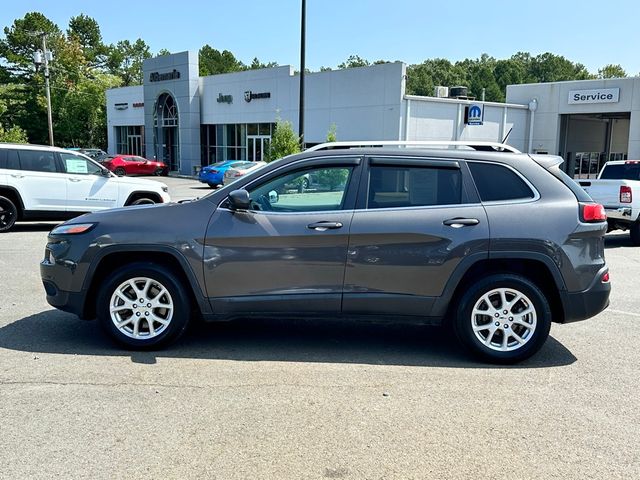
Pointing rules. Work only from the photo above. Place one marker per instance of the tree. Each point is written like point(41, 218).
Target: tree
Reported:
point(283, 141)
point(163, 52)
point(13, 135)
point(423, 78)
point(86, 32)
point(332, 133)
point(125, 60)
point(213, 61)
point(354, 61)
point(612, 71)
point(548, 67)
point(257, 64)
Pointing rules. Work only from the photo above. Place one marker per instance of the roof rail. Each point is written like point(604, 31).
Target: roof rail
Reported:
point(482, 146)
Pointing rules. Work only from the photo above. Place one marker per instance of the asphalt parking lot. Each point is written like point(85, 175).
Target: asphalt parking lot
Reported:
point(311, 399)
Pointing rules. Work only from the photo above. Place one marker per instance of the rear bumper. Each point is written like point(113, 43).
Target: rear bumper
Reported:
point(587, 303)
point(621, 213)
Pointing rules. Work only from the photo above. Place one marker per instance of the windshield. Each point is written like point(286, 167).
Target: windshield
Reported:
point(627, 171)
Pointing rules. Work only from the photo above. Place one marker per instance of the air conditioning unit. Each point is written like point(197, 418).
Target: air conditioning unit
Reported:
point(441, 92)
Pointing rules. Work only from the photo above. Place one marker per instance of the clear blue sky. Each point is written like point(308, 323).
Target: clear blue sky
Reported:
point(591, 32)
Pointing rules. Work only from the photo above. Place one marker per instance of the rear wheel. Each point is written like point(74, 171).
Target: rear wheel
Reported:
point(213, 185)
point(8, 214)
point(503, 318)
point(143, 305)
point(143, 201)
point(121, 172)
point(634, 233)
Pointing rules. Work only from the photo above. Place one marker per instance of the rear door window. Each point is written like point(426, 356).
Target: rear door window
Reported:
point(38, 161)
point(392, 186)
point(497, 183)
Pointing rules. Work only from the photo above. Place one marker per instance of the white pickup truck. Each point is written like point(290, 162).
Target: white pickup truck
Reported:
point(618, 189)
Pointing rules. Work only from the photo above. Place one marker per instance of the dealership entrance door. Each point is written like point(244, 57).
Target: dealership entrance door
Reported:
point(587, 141)
point(257, 146)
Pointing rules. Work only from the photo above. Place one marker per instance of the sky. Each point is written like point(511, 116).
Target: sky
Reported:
point(594, 33)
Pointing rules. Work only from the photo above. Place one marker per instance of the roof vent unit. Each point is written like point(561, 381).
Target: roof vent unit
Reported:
point(441, 92)
point(458, 92)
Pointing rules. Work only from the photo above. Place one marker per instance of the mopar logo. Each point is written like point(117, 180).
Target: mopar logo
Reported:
point(249, 95)
point(474, 115)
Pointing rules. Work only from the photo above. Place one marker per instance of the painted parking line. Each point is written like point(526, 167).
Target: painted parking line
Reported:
point(623, 312)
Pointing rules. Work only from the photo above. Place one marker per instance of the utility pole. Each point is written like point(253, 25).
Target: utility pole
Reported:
point(302, 67)
point(45, 54)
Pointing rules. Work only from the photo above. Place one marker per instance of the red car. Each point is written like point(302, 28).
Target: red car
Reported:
point(134, 165)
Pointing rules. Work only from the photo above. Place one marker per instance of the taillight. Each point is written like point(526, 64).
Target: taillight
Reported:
point(592, 212)
point(605, 277)
point(625, 194)
point(238, 174)
point(213, 171)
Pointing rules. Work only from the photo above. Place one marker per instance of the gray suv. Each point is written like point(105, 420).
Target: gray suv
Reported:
point(495, 243)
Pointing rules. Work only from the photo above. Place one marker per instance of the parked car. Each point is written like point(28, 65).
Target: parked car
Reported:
point(241, 169)
point(92, 152)
point(409, 235)
point(47, 183)
point(123, 165)
point(213, 175)
point(618, 189)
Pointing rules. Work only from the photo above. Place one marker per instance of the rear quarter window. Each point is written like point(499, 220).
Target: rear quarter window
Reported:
point(9, 159)
point(496, 183)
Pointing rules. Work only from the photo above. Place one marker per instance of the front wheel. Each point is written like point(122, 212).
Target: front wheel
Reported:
point(8, 214)
point(503, 318)
point(143, 306)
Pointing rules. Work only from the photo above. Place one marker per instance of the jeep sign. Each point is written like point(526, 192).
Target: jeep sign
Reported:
point(601, 95)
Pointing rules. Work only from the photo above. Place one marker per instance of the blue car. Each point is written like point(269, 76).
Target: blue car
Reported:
point(213, 175)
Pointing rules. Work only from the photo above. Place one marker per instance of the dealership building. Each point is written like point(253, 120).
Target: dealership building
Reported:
point(189, 121)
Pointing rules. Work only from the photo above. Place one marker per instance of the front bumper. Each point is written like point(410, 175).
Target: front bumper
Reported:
point(587, 303)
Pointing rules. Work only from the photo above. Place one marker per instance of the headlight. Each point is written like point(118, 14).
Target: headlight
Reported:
point(72, 229)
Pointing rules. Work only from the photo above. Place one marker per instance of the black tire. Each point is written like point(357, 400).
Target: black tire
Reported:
point(634, 233)
point(305, 183)
point(158, 172)
point(121, 172)
point(213, 185)
point(8, 214)
point(178, 296)
point(488, 350)
point(143, 201)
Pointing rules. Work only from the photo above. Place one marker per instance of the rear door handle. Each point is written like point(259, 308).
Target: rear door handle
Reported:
point(461, 222)
point(75, 179)
point(15, 175)
point(322, 226)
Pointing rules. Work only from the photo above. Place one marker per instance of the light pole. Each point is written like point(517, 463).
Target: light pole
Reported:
point(302, 66)
point(39, 58)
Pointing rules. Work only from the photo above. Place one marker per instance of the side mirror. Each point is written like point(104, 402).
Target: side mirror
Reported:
point(273, 197)
point(106, 172)
point(239, 200)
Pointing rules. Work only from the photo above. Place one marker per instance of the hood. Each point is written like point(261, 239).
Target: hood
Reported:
point(141, 182)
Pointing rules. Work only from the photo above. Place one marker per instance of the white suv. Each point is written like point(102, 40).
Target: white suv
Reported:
point(48, 183)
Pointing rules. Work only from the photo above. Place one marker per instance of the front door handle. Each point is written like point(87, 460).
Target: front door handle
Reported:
point(461, 222)
point(15, 175)
point(322, 226)
point(75, 179)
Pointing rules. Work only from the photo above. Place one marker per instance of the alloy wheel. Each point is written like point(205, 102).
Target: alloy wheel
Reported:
point(504, 319)
point(141, 308)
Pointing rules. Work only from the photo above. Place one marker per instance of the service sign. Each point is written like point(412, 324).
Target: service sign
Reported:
point(600, 95)
point(476, 115)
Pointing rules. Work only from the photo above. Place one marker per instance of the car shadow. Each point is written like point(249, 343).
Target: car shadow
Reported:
point(34, 226)
point(253, 340)
point(617, 240)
